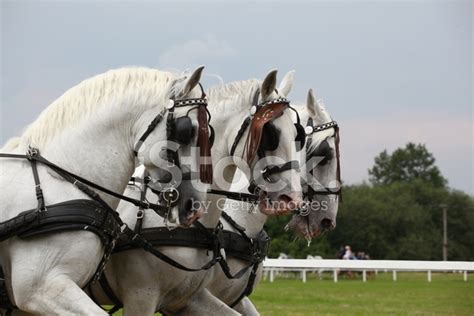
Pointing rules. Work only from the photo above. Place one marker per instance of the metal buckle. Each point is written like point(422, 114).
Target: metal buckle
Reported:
point(147, 204)
point(265, 175)
point(170, 195)
point(31, 152)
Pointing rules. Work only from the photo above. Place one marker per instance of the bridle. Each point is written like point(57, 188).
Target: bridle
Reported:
point(168, 192)
point(259, 108)
point(310, 129)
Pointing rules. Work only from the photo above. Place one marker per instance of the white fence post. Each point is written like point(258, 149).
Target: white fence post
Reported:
point(271, 275)
point(394, 275)
point(364, 276)
point(429, 275)
point(303, 275)
point(335, 275)
point(465, 276)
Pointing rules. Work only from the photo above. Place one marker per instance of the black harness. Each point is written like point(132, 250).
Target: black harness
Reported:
point(238, 245)
point(178, 130)
point(93, 215)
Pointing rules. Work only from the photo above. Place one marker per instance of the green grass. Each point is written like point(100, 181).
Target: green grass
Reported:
point(447, 294)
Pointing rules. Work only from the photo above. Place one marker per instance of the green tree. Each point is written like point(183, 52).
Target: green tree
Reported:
point(400, 217)
point(406, 164)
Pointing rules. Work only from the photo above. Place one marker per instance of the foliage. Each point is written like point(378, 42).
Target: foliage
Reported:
point(405, 164)
point(392, 219)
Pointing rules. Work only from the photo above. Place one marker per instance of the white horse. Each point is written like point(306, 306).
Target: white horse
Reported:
point(323, 183)
point(144, 283)
point(229, 291)
point(91, 130)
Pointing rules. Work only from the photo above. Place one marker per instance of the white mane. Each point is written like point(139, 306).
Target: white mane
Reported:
point(221, 95)
point(135, 86)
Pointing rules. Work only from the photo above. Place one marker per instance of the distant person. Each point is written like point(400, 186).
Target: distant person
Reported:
point(360, 255)
point(348, 255)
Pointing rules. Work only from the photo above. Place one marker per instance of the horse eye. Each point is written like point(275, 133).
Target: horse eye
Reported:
point(324, 161)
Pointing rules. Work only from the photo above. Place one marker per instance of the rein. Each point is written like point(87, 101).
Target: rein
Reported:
point(81, 183)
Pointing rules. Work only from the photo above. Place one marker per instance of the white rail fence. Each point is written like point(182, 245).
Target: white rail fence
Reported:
point(275, 266)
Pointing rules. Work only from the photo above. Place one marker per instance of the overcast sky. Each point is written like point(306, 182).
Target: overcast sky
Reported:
point(389, 72)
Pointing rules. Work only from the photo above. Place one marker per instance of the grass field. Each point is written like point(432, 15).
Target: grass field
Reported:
point(447, 294)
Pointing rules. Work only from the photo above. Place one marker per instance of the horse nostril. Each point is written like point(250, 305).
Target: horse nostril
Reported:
point(326, 224)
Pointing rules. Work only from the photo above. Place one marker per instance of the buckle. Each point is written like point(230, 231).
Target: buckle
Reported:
point(266, 174)
point(170, 195)
point(31, 152)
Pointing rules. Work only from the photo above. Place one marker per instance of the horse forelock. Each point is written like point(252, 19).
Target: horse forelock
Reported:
point(132, 86)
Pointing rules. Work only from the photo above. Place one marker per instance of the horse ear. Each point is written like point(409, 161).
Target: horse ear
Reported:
point(286, 83)
point(268, 85)
point(314, 109)
point(193, 80)
point(311, 103)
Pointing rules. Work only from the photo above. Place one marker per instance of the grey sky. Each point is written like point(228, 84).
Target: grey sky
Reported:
point(389, 72)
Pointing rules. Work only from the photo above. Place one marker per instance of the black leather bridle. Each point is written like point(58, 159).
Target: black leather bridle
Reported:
point(311, 129)
point(269, 170)
point(169, 194)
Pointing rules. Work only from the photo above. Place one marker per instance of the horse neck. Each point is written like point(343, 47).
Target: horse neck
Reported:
point(99, 148)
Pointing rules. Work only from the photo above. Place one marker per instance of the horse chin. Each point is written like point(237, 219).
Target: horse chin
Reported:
point(301, 226)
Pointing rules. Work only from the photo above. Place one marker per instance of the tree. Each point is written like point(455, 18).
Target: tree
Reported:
point(406, 164)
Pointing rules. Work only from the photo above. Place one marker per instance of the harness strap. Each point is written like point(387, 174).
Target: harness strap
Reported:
point(245, 123)
point(249, 287)
point(224, 266)
point(38, 190)
point(271, 170)
point(151, 127)
point(239, 196)
point(141, 242)
point(234, 224)
point(82, 184)
point(141, 211)
point(240, 134)
point(104, 283)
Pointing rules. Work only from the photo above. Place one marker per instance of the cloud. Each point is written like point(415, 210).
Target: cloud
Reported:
point(196, 52)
